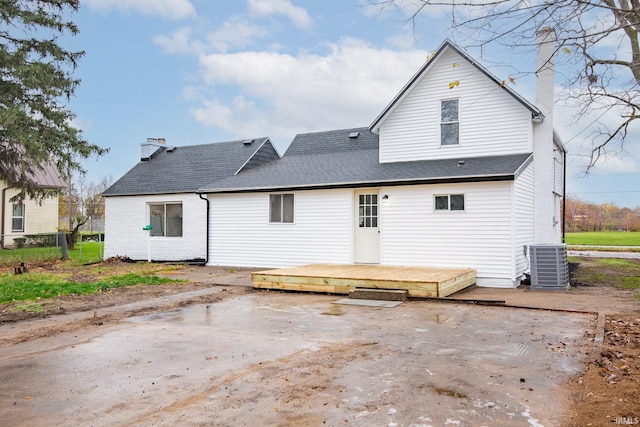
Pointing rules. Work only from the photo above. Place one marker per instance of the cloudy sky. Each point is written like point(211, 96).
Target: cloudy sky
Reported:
point(201, 71)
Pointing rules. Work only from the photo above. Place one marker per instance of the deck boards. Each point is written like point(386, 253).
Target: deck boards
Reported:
point(342, 278)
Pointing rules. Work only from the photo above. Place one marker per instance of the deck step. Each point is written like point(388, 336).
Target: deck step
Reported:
point(378, 294)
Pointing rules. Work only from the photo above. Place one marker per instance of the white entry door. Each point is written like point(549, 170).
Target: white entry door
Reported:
point(367, 234)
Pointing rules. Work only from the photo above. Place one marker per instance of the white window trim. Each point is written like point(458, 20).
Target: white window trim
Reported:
point(293, 208)
point(449, 210)
point(21, 229)
point(164, 236)
point(440, 123)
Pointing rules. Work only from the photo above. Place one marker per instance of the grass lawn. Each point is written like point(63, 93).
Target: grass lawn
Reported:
point(623, 273)
point(604, 238)
point(83, 253)
point(38, 286)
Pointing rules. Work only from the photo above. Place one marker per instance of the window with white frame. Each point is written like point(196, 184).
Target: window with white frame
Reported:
point(449, 202)
point(17, 217)
point(281, 208)
point(449, 123)
point(165, 219)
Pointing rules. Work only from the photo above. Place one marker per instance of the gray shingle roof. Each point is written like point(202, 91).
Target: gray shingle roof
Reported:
point(187, 168)
point(332, 159)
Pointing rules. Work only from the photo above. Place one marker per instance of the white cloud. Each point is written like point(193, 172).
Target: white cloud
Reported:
point(170, 9)
point(280, 94)
point(180, 42)
point(297, 15)
point(235, 32)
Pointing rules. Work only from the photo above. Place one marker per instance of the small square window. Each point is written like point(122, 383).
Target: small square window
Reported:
point(281, 208)
point(457, 202)
point(449, 202)
point(165, 219)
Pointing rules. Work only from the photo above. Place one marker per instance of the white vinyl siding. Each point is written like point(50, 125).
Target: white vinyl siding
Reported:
point(414, 233)
point(412, 130)
point(523, 218)
point(241, 235)
point(126, 216)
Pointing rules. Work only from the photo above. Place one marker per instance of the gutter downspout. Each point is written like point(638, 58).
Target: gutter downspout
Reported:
point(564, 194)
point(206, 254)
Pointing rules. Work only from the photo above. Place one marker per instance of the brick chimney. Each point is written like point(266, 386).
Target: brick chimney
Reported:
point(546, 217)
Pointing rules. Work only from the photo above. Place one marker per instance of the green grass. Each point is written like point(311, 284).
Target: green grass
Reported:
point(37, 286)
point(604, 238)
point(622, 273)
point(83, 253)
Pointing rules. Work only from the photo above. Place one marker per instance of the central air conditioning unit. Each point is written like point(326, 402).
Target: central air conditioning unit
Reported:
point(549, 267)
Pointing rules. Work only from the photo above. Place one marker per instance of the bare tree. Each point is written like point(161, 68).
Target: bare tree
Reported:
point(599, 39)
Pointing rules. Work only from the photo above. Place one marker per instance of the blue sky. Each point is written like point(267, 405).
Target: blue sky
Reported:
point(202, 71)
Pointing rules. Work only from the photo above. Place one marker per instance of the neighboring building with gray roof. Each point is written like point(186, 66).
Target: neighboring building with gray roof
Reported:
point(20, 218)
point(451, 174)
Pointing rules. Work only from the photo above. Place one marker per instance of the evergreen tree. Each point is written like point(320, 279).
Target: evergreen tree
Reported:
point(36, 82)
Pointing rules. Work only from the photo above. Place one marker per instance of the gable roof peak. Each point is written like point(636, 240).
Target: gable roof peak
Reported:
point(447, 44)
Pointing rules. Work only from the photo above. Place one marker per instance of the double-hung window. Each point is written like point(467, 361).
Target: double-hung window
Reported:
point(166, 219)
point(17, 217)
point(281, 208)
point(449, 123)
point(449, 202)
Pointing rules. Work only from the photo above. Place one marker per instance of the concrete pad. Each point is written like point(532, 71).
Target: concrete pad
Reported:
point(297, 359)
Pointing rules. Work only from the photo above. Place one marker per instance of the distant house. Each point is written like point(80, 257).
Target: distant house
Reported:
point(457, 171)
point(18, 219)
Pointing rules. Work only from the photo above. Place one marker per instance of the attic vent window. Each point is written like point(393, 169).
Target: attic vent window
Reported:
point(248, 141)
point(354, 135)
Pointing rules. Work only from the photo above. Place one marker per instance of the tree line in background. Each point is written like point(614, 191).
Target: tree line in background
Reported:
point(584, 216)
point(82, 208)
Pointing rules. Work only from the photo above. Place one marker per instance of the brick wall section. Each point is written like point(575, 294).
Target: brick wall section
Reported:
point(126, 216)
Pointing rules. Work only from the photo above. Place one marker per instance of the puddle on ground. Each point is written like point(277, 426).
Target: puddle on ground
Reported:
point(441, 318)
point(334, 310)
point(450, 393)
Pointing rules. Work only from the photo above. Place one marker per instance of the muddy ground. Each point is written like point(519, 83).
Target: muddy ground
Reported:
point(607, 392)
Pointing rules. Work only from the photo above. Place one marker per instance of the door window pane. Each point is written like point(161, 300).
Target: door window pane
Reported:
point(368, 211)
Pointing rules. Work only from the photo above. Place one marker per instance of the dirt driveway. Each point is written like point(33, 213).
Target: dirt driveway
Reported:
point(216, 353)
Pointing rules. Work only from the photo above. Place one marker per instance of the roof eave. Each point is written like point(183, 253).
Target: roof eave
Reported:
point(360, 184)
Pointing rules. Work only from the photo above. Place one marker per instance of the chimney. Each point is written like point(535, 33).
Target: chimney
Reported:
point(544, 71)
point(149, 148)
point(545, 215)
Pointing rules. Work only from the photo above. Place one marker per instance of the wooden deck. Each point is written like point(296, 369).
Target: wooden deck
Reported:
point(340, 279)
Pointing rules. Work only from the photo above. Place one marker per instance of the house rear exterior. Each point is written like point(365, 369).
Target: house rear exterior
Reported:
point(161, 191)
point(457, 171)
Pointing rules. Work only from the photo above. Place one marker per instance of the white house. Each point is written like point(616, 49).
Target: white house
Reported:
point(161, 191)
point(457, 171)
